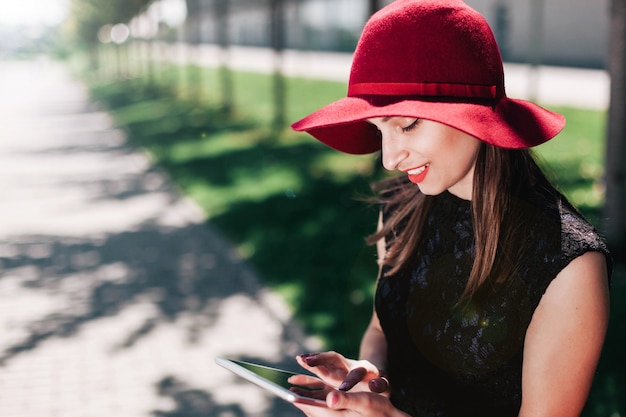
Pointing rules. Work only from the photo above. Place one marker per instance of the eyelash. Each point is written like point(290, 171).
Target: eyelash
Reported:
point(411, 126)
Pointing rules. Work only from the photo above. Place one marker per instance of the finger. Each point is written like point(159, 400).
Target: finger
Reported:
point(357, 402)
point(330, 359)
point(379, 385)
point(354, 377)
point(306, 381)
point(302, 361)
point(311, 360)
point(319, 394)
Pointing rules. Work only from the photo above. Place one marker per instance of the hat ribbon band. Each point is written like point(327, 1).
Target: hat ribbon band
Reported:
point(424, 89)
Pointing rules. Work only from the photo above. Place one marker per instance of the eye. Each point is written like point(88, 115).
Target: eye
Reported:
point(411, 126)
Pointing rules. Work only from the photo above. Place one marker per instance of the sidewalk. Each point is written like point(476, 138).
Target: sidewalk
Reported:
point(115, 296)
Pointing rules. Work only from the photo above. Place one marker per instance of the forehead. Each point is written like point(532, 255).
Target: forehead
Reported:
point(386, 119)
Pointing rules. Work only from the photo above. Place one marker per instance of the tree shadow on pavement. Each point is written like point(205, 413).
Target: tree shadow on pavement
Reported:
point(193, 402)
point(190, 402)
point(180, 272)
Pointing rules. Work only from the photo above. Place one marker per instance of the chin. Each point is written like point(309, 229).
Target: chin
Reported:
point(430, 190)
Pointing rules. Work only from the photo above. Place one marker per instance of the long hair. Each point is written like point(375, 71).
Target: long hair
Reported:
point(499, 176)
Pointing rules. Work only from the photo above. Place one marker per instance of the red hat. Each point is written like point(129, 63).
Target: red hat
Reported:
point(435, 60)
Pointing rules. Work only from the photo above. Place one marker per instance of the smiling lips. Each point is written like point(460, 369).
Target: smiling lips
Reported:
point(417, 175)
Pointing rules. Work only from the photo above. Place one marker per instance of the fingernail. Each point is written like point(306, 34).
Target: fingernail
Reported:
point(343, 386)
point(310, 359)
point(378, 385)
point(375, 385)
point(308, 355)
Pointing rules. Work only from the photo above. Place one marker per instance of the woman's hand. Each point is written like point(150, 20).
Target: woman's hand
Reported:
point(353, 404)
point(344, 374)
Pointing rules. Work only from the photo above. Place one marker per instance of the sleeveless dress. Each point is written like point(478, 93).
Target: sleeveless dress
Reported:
point(449, 361)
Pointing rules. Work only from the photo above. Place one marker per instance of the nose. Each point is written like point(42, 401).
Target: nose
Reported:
point(393, 152)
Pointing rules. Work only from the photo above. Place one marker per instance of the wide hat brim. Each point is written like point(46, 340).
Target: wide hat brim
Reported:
point(511, 123)
point(429, 59)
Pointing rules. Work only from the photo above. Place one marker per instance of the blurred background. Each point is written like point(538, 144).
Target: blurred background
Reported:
point(157, 211)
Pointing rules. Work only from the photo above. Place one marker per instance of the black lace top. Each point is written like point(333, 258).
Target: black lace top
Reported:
point(445, 360)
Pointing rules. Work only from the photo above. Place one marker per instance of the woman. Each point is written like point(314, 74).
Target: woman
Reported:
point(492, 297)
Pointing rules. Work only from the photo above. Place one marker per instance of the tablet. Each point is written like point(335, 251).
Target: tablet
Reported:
point(276, 381)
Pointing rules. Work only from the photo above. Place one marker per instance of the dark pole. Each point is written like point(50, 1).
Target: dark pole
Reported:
point(536, 47)
point(374, 6)
point(278, 45)
point(197, 73)
point(615, 174)
point(225, 74)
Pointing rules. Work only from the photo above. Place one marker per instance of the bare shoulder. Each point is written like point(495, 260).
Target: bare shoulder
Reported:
point(565, 338)
point(578, 294)
point(584, 280)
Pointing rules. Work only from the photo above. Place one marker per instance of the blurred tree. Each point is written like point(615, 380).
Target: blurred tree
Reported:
point(615, 203)
point(86, 17)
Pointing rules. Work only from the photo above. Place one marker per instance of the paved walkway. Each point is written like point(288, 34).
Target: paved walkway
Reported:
point(115, 296)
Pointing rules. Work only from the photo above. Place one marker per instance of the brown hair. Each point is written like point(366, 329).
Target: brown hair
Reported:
point(499, 175)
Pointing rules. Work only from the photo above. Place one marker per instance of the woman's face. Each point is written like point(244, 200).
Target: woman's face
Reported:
point(435, 156)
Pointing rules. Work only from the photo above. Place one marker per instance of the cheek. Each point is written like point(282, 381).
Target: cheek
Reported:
point(468, 160)
point(466, 150)
point(457, 160)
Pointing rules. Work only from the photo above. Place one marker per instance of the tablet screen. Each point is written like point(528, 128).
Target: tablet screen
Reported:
point(277, 381)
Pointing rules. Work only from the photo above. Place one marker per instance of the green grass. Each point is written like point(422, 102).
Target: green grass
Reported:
point(289, 203)
point(576, 158)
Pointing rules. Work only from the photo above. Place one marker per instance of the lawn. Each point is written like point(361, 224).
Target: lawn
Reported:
point(291, 205)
